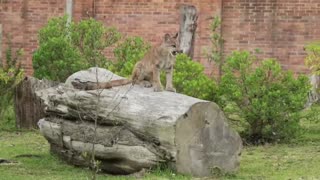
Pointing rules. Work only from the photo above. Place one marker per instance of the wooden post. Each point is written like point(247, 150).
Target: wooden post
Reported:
point(188, 26)
point(28, 106)
point(69, 9)
point(0, 44)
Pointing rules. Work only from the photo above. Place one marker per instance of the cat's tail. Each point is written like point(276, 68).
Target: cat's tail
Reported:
point(100, 85)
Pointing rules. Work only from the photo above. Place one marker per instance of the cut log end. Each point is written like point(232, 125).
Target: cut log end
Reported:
point(204, 141)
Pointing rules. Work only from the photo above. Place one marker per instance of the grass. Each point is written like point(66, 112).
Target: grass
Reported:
point(7, 118)
point(297, 160)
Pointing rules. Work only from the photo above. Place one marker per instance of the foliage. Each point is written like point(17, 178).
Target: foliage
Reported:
point(313, 58)
point(8, 117)
point(189, 79)
point(127, 54)
point(91, 38)
point(56, 58)
point(268, 99)
point(66, 47)
point(10, 75)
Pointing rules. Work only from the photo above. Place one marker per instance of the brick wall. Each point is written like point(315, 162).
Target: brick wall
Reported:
point(280, 28)
point(21, 20)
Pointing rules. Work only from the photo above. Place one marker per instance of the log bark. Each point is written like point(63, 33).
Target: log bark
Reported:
point(138, 128)
point(188, 26)
point(28, 106)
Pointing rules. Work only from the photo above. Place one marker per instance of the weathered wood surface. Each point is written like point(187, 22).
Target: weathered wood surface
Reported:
point(28, 106)
point(188, 26)
point(138, 128)
point(314, 96)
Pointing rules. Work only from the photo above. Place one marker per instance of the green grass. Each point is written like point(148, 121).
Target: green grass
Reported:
point(297, 160)
point(7, 119)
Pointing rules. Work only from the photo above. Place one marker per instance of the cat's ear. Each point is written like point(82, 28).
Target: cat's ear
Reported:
point(166, 37)
point(176, 35)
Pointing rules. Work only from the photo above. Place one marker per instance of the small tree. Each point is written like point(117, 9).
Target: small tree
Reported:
point(216, 53)
point(265, 97)
point(65, 48)
point(10, 75)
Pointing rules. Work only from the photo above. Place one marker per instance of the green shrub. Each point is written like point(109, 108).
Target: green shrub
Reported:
point(10, 75)
point(189, 79)
point(56, 58)
point(127, 54)
point(313, 58)
point(267, 98)
point(91, 38)
point(65, 48)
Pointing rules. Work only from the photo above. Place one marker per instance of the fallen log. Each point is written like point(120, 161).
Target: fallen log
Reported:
point(137, 128)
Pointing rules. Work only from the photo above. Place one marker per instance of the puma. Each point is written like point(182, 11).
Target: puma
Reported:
point(147, 71)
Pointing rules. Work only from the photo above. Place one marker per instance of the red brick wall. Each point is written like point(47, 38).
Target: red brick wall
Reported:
point(21, 20)
point(280, 28)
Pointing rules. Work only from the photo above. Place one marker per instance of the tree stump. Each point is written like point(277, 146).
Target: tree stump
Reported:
point(28, 106)
point(137, 128)
point(188, 26)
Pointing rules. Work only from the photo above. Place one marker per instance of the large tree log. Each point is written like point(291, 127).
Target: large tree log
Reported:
point(138, 128)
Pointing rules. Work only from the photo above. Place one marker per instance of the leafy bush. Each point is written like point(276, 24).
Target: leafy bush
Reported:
point(267, 98)
point(91, 38)
point(56, 57)
point(127, 54)
point(65, 48)
point(10, 75)
point(189, 79)
point(313, 57)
